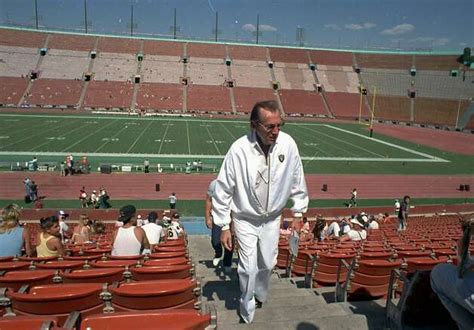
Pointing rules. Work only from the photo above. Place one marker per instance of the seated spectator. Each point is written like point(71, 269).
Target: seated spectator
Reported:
point(153, 231)
point(305, 233)
point(357, 232)
point(49, 239)
point(81, 232)
point(129, 240)
point(373, 224)
point(337, 228)
point(454, 285)
point(285, 231)
point(13, 237)
point(63, 227)
point(175, 229)
point(320, 229)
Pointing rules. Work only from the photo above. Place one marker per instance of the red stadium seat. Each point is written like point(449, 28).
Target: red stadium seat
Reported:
point(177, 248)
point(166, 262)
point(134, 257)
point(162, 272)
point(94, 275)
point(3, 259)
point(84, 257)
point(58, 300)
point(149, 320)
point(114, 263)
point(16, 279)
point(303, 265)
point(61, 265)
point(325, 271)
point(28, 322)
point(161, 255)
point(38, 259)
point(13, 265)
point(365, 280)
point(162, 294)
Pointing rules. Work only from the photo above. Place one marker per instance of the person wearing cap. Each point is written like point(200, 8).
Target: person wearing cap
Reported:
point(154, 232)
point(129, 240)
point(175, 230)
point(260, 172)
point(357, 232)
point(63, 227)
point(219, 251)
point(373, 223)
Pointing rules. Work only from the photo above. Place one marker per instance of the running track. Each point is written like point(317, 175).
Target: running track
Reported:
point(141, 186)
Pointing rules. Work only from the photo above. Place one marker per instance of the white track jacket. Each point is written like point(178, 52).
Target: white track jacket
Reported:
point(239, 175)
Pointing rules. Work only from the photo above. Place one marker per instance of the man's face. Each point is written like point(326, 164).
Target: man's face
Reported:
point(268, 127)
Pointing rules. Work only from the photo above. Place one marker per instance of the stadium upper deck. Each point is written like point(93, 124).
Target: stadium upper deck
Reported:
point(45, 69)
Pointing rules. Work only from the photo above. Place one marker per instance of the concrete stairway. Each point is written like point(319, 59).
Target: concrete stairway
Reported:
point(288, 307)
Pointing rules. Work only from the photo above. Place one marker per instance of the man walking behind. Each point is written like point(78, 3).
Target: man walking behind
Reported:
point(260, 172)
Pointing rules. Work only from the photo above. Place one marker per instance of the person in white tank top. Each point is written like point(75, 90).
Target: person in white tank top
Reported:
point(129, 240)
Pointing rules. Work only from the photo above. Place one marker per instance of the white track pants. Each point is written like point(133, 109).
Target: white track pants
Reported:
point(258, 250)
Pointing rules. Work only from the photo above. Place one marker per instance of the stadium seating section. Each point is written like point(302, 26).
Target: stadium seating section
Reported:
point(123, 74)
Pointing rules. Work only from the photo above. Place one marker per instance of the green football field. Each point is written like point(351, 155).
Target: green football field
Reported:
point(324, 147)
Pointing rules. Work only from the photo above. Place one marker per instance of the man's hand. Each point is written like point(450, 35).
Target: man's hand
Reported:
point(226, 239)
point(209, 223)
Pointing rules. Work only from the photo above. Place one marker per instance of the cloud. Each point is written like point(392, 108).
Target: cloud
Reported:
point(399, 29)
point(332, 27)
point(430, 40)
point(249, 27)
point(363, 26)
point(267, 28)
point(263, 28)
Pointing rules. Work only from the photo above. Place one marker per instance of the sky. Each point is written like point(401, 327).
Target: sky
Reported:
point(437, 25)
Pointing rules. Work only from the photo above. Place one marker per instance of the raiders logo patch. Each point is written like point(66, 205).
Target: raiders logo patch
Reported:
point(281, 158)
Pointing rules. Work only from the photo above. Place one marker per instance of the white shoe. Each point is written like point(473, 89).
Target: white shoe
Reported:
point(215, 261)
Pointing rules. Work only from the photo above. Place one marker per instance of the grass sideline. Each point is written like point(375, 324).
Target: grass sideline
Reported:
point(195, 208)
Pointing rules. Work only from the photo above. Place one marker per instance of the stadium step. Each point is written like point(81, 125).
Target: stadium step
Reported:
point(291, 320)
point(289, 306)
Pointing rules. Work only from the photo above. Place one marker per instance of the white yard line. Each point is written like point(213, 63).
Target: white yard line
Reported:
point(29, 136)
point(187, 134)
point(228, 130)
point(88, 136)
point(139, 136)
point(332, 146)
point(390, 144)
point(164, 135)
point(349, 143)
point(213, 141)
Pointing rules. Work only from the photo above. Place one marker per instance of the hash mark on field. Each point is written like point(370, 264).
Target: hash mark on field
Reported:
point(227, 129)
point(164, 135)
point(113, 136)
point(139, 137)
point(88, 136)
point(215, 145)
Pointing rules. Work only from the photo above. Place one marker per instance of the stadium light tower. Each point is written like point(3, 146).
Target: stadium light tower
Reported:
point(300, 35)
point(216, 30)
point(175, 28)
point(85, 15)
point(257, 32)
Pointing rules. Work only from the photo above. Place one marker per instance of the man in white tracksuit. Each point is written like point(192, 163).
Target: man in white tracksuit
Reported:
point(260, 172)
